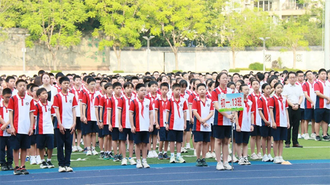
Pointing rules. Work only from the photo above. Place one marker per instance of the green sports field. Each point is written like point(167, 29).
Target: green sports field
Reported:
point(312, 150)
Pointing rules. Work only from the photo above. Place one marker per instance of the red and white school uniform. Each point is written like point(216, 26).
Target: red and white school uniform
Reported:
point(102, 101)
point(244, 116)
point(43, 115)
point(176, 109)
point(263, 105)
point(116, 104)
point(302, 105)
point(203, 109)
point(141, 110)
point(21, 107)
point(279, 105)
point(76, 93)
point(309, 89)
point(126, 101)
point(320, 86)
point(4, 114)
point(160, 107)
point(153, 98)
point(254, 99)
point(65, 104)
point(88, 99)
point(327, 85)
point(186, 96)
point(219, 119)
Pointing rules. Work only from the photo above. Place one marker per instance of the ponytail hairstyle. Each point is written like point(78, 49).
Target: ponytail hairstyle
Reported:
point(217, 83)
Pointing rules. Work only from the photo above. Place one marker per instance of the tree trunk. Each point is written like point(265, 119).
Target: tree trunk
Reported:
point(294, 58)
point(233, 55)
point(54, 60)
point(176, 59)
point(118, 53)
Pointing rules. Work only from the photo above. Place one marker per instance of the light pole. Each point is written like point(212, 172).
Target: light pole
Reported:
point(264, 51)
point(24, 49)
point(148, 48)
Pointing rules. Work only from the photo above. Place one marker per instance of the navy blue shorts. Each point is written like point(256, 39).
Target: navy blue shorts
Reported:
point(106, 131)
point(154, 132)
point(242, 137)
point(163, 134)
point(212, 130)
point(100, 132)
point(45, 140)
point(309, 114)
point(126, 132)
point(256, 131)
point(78, 123)
point(322, 115)
point(280, 133)
point(302, 113)
point(33, 138)
point(90, 127)
point(202, 136)
point(141, 137)
point(265, 131)
point(175, 135)
point(221, 132)
point(115, 134)
point(20, 141)
point(188, 126)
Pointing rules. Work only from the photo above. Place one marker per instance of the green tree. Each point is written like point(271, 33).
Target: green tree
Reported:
point(9, 16)
point(121, 23)
point(176, 21)
point(53, 23)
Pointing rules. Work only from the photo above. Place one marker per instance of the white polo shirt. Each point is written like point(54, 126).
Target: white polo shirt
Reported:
point(293, 92)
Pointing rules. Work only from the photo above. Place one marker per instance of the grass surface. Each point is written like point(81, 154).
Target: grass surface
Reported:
point(312, 150)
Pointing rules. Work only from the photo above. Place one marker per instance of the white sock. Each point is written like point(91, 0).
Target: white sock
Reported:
point(178, 154)
point(49, 160)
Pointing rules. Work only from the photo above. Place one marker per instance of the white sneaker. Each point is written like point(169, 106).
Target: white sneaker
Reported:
point(61, 169)
point(229, 158)
point(131, 161)
point(281, 159)
point(208, 155)
point(270, 158)
point(265, 158)
point(227, 166)
point(33, 160)
point(313, 136)
point(183, 150)
point(213, 155)
point(68, 169)
point(299, 136)
point(155, 154)
point(235, 160)
point(74, 149)
point(94, 152)
point(229, 149)
point(195, 152)
point(124, 162)
point(220, 166)
point(138, 164)
point(259, 156)
point(150, 154)
point(38, 159)
point(80, 149)
point(172, 159)
point(241, 161)
point(246, 161)
point(277, 160)
point(89, 152)
point(180, 160)
point(145, 164)
point(254, 156)
point(306, 137)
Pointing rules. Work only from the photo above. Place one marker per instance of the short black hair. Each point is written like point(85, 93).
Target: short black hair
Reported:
point(20, 80)
point(231, 83)
point(39, 91)
point(7, 91)
point(260, 76)
point(97, 78)
point(31, 86)
point(322, 70)
point(103, 82)
point(59, 74)
point(134, 78)
point(90, 79)
point(85, 78)
point(201, 84)
point(107, 85)
point(183, 83)
point(210, 84)
point(164, 84)
point(291, 72)
point(75, 77)
point(278, 83)
point(152, 83)
point(63, 79)
point(139, 86)
point(116, 84)
point(241, 87)
point(300, 71)
point(176, 85)
point(308, 71)
point(41, 72)
point(9, 78)
point(128, 84)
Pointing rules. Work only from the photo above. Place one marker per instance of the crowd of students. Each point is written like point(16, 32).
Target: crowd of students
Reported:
point(137, 112)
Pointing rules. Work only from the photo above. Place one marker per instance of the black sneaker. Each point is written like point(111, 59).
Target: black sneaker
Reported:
point(10, 167)
point(4, 167)
point(317, 138)
point(17, 171)
point(203, 161)
point(102, 155)
point(326, 138)
point(43, 165)
point(24, 171)
point(199, 163)
point(50, 164)
point(120, 157)
point(165, 156)
point(111, 155)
